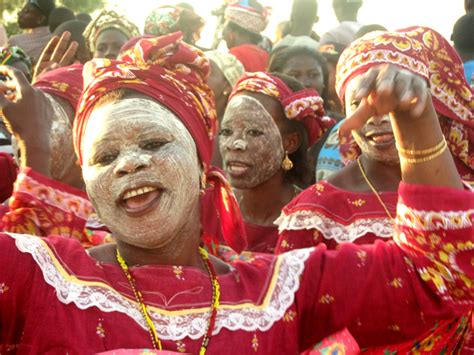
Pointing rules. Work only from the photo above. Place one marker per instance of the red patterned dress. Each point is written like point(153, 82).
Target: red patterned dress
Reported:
point(55, 298)
point(326, 215)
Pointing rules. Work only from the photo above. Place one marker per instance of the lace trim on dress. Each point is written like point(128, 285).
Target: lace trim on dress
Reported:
point(173, 325)
point(330, 229)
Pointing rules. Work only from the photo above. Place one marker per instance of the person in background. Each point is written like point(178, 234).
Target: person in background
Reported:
point(369, 28)
point(58, 16)
point(463, 38)
point(281, 30)
point(33, 18)
point(304, 15)
point(86, 18)
point(244, 24)
point(269, 123)
point(17, 58)
point(3, 36)
point(346, 12)
point(76, 28)
point(469, 6)
point(226, 70)
point(168, 19)
point(106, 35)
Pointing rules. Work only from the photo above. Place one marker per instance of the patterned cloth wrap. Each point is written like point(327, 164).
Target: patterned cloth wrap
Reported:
point(108, 20)
point(247, 17)
point(425, 52)
point(173, 73)
point(162, 20)
point(230, 66)
point(305, 106)
point(64, 82)
point(11, 55)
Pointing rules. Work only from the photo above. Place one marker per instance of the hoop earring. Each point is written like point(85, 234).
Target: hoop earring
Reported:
point(286, 164)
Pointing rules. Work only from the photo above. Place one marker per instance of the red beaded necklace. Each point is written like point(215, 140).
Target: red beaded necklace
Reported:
point(144, 310)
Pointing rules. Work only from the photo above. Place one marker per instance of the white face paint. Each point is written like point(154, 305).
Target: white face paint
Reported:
point(63, 157)
point(375, 138)
point(250, 143)
point(141, 171)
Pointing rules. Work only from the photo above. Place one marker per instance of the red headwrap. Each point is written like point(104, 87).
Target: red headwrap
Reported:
point(424, 52)
point(173, 73)
point(305, 106)
point(63, 82)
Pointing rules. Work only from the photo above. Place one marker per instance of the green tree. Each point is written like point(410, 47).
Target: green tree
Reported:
point(10, 7)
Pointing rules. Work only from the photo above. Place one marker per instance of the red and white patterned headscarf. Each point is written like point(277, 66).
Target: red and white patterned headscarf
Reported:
point(425, 52)
point(173, 73)
point(305, 106)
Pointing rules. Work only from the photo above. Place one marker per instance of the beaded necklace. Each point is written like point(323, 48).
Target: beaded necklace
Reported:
point(146, 315)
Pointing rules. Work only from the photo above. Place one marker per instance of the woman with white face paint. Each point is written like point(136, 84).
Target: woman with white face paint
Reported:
point(268, 125)
point(358, 204)
point(143, 135)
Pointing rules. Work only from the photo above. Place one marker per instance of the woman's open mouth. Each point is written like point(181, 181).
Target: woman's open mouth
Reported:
point(237, 168)
point(139, 201)
point(382, 139)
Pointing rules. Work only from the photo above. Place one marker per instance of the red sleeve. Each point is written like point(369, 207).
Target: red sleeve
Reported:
point(14, 282)
point(41, 206)
point(389, 292)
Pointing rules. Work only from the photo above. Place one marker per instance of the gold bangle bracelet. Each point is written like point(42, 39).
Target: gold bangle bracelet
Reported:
point(434, 149)
point(427, 158)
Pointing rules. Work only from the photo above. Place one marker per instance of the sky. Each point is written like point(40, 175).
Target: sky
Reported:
point(438, 14)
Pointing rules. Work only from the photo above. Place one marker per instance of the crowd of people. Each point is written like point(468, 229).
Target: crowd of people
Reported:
point(307, 195)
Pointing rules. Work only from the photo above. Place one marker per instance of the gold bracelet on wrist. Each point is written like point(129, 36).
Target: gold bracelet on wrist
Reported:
point(431, 150)
point(428, 157)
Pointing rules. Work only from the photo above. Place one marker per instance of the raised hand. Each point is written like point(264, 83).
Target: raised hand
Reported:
point(57, 53)
point(27, 114)
point(424, 154)
point(387, 89)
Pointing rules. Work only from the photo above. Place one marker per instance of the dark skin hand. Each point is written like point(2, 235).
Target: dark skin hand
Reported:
point(57, 53)
point(386, 89)
point(27, 113)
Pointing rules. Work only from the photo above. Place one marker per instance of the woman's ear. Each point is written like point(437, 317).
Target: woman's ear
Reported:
point(291, 142)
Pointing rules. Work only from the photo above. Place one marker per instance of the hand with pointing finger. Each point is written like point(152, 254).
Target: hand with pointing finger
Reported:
point(387, 89)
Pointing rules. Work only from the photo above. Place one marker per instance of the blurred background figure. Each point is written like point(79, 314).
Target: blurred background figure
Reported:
point(469, 6)
point(304, 15)
point(244, 24)
point(367, 29)
point(346, 12)
point(108, 33)
point(58, 16)
point(168, 19)
point(17, 58)
point(33, 19)
point(86, 18)
point(76, 28)
point(226, 70)
point(463, 38)
point(3, 36)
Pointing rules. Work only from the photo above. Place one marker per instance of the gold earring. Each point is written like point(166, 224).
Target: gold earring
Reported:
point(286, 164)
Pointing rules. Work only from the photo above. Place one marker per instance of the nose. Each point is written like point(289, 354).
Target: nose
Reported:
point(130, 163)
point(379, 120)
point(238, 144)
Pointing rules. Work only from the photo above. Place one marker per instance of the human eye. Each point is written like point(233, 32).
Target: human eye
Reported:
point(254, 132)
point(225, 132)
point(104, 159)
point(153, 145)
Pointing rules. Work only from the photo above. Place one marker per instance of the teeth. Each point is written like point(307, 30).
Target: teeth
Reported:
point(138, 192)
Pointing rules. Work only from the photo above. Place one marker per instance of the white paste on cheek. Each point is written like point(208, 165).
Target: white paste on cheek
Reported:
point(264, 153)
point(123, 127)
point(62, 157)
